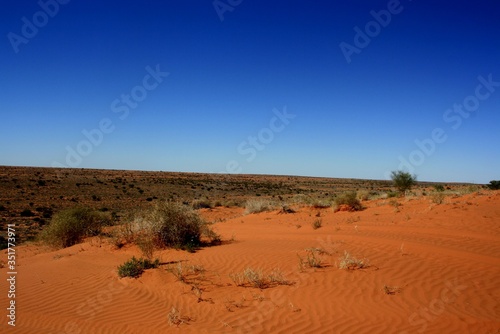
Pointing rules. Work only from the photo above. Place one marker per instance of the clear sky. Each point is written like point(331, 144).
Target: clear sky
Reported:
point(316, 88)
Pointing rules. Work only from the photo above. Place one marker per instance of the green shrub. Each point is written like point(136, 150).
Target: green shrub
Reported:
point(403, 181)
point(171, 224)
point(350, 200)
point(439, 187)
point(135, 267)
point(494, 185)
point(392, 194)
point(70, 226)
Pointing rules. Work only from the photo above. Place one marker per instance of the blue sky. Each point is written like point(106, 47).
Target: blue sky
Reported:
point(254, 87)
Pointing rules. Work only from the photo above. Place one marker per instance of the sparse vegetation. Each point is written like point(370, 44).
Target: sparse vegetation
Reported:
point(349, 262)
point(171, 224)
point(438, 187)
point(201, 204)
point(403, 181)
point(257, 206)
point(286, 209)
point(394, 203)
point(174, 317)
point(349, 201)
point(317, 223)
point(437, 197)
point(178, 271)
point(69, 227)
point(255, 278)
point(363, 195)
point(312, 259)
point(135, 267)
point(98, 189)
point(251, 277)
point(276, 277)
point(392, 194)
point(391, 290)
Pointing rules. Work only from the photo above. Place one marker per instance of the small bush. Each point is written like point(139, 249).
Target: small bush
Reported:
point(302, 199)
point(394, 203)
point(179, 271)
point(70, 226)
point(171, 224)
point(437, 197)
point(439, 187)
point(311, 260)
point(135, 267)
point(320, 203)
point(257, 205)
point(317, 224)
point(201, 204)
point(285, 209)
point(348, 199)
point(255, 278)
point(392, 194)
point(403, 181)
point(363, 195)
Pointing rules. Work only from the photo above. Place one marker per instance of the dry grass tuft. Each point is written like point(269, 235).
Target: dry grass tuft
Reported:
point(391, 290)
point(251, 277)
point(317, 223)
point(175, 319)
point(313, 258)
point(351, 263)
point(257, 205)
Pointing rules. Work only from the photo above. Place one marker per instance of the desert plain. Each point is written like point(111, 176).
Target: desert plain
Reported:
point(419, 263)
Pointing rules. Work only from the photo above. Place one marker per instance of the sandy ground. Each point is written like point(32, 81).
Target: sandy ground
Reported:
point(439, 264)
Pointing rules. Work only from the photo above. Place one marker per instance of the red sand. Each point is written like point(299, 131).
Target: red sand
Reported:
point(441, 263)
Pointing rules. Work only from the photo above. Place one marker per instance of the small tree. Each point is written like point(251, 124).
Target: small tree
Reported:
point(403, 181)
point(494, 185)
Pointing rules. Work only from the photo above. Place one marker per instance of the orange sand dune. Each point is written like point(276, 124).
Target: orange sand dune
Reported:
point(440, 265)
